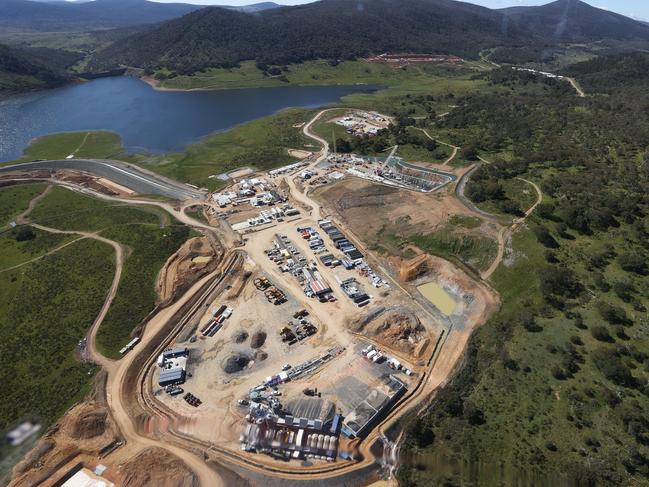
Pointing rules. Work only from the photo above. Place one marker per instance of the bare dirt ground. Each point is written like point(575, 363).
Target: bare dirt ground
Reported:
point(369, 208)
point(299, 153)
point(144, 471)
point(190, 262)
point(83, 432)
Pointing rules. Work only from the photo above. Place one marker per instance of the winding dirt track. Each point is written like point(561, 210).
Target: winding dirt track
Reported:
point(454, 147)
point(506, 232)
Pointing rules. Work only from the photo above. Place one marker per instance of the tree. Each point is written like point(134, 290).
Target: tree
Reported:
point(633, 262)
point(469, 152)
point(544, 236)
point(612, 313)
point(611, 365)
point(24, 233)
point(601, 333)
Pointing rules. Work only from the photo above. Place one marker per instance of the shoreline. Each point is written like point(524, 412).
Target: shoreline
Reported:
point(155, 84)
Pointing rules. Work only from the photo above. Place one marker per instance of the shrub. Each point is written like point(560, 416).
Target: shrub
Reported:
point(560, 281)
point(633, 262)
point(576, 340)
point(601, 333)
point(611, 365)
point(624, 290)
point(544, 236)
point(558, 373)
point(24, 233)
point(612, 313)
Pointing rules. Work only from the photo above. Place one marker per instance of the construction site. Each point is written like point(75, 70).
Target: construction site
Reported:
point(290, 335)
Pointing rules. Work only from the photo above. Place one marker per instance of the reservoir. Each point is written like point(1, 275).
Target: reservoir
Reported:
point(146, 119)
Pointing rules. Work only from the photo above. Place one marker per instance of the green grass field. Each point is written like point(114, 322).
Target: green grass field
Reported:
point(476, 252)
point(151, 236)
point(520, 192)
point(89, 145)
point(15, 199)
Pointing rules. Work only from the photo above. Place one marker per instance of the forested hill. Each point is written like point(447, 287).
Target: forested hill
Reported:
point(340, 29)
point(576, 21)
point(326, 29)
point(20, 71)
point(607, 74)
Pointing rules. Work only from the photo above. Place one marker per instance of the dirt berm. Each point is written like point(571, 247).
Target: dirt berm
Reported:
point(196, 258)
point(86, 429)
point(156, 467)
point(396, 327)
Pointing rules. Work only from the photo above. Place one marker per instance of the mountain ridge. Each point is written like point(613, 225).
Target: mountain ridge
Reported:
point(344, 29)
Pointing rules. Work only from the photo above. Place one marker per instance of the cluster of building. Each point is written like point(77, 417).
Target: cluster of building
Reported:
point(265, 217)
point(360, 123)
point(290, 259)
point(253, 191)
point(173, 368)
point(377, 356)
point(354, 291)
point(377, 402)
point(287, 169)
point(22, 432)
point(219, 315)
point(292, 438)
point(398, 60)
point(272, 431)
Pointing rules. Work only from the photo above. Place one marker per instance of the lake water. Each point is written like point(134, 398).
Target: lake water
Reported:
point(146, 119)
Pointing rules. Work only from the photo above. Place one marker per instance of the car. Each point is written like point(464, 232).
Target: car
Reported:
point(243, 402)
point(286, 367)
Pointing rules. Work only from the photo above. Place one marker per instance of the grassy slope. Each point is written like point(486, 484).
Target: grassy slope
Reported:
point(15, 199)
point(262, 144)
point(137, 228)
point(45, 309)
point(99, 145)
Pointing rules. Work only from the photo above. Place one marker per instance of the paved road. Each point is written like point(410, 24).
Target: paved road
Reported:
point(133, 177)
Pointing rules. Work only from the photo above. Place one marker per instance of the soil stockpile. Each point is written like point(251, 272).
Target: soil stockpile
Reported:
point(235, 363)
point(258, 339)
point(240, 336)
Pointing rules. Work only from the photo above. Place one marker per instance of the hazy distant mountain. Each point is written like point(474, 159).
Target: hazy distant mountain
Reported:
point(98, 14)
point(576, 21)
point(255, 7)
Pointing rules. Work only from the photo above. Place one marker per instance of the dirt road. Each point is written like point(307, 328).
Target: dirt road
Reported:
point(453, 147)
point(576, 86)
point(119, 264)
point(506, 232)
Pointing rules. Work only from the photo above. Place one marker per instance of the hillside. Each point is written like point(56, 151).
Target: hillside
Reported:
point(324, 29)
point(608, 74)
point(576, 21)
point(341, 29)
point(99, 14)
point(20, 72)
